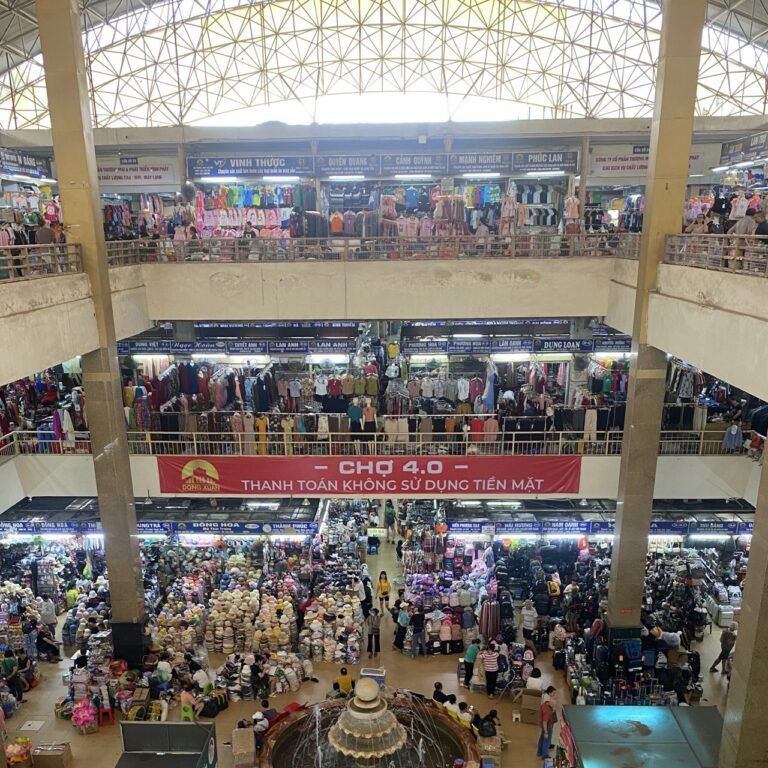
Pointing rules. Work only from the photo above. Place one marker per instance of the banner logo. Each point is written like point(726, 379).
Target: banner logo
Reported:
point(200, 476)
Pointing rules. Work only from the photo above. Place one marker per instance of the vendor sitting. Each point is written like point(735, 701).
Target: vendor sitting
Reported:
point(344, 682)
point(188, 698)
point(47, 647)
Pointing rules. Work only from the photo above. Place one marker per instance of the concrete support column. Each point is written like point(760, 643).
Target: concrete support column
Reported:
point(181, 156)
point(61, 41)
point(743, 743)
point(671, 132)
point(583, 171)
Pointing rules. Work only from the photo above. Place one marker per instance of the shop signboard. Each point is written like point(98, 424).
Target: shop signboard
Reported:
point(289, 347)
point(332, 346)
point(331, 165)
point(730, 527)
point(669, 527)
point(249, 347)
point(567, 526)
point(512, 345)
point(16, 162)
point(254, 166)
point(480, 162)
point(562, 345)
point(123, 348)
point(368, 475)
point(416, 163)
point(469, 346)
point(150, 347)
point(613, 344)
point(632, 160)
point(749, 148)
point(471, 527)
point(153, 526)
point(439, 346)
point(212, 346)
point(567, 162)
point(602, 526)
point(518, 527)
point(746, 527)
point(147, 173)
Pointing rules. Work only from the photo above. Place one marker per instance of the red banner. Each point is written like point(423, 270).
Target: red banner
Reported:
point(368, 475)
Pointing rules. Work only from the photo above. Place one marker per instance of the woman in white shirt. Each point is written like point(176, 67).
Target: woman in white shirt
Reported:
point(535, 680)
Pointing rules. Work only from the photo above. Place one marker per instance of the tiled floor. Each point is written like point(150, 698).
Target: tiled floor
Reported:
point(103, 748)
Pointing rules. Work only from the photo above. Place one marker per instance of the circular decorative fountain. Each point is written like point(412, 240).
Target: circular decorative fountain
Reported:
point(372, 730)
point(367, 730)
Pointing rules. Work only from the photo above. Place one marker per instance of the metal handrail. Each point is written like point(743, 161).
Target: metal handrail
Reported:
point(33, 261)
point(522, 442)
point(739, 254)
point(538, 245)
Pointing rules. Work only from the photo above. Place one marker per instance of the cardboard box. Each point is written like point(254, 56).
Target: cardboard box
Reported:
point(529, 716)
point(243, 747)
point(531, 699)
point(52, 755)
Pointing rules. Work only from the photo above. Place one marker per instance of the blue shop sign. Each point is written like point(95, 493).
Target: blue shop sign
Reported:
point(338, 346)
point(746, 527)
point(567, 162)
point(13, 161)
point(567, 526)
point(425, 347)
point(286, 347)
point(673, 527)
point(128, 161)
point(215, 346)
point(717, 526)
point(290, 529)
point(123, 348)
point(150, 347)
point(255, 166)
point(641, 149)
point(153, 526)
point(416, 163)
point(250, 347)
point(469, 346)
point(512, 527)
point(602, 526)
point(480, 162)
point(331, 165)
point(562, 345)
point(512, 345)
point(459, 526)
point(613, 344)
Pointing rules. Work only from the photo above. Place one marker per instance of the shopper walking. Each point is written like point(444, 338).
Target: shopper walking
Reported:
point(727, 641)
point(547, 720)
point(383, 588)
point(389, 522)
point(417, 625)
point(490, 659)
point(529, 616)
point(48, 614)
point(470, 657)
point(373, 627)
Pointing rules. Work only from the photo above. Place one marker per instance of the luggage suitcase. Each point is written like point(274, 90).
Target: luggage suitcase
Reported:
point(210, 707)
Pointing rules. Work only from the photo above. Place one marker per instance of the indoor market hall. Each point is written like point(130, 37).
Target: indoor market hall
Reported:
point(380, 383)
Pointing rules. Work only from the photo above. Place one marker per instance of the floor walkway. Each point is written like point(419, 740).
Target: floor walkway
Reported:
point(102, 749)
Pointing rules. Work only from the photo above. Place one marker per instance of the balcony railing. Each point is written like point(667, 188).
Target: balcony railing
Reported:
point(33, 261)
point(742, 255)
point(541, 245)
point(672, 443)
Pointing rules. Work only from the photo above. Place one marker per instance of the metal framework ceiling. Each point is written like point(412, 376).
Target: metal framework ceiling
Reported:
point(228, 62)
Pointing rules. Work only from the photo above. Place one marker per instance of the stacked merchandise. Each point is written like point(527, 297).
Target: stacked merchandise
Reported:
point(118, 223)
point(332, 630)
point(631, 218)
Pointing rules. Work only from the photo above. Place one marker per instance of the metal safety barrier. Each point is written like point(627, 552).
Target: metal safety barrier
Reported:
point(516, 443)
point(743, 255)
point(541, 245)
point(33, 261)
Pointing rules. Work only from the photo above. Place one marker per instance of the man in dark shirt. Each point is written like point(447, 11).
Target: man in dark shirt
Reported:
point(438, 695)
point(269, 712)
point(417, 624)
point(762, 224)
